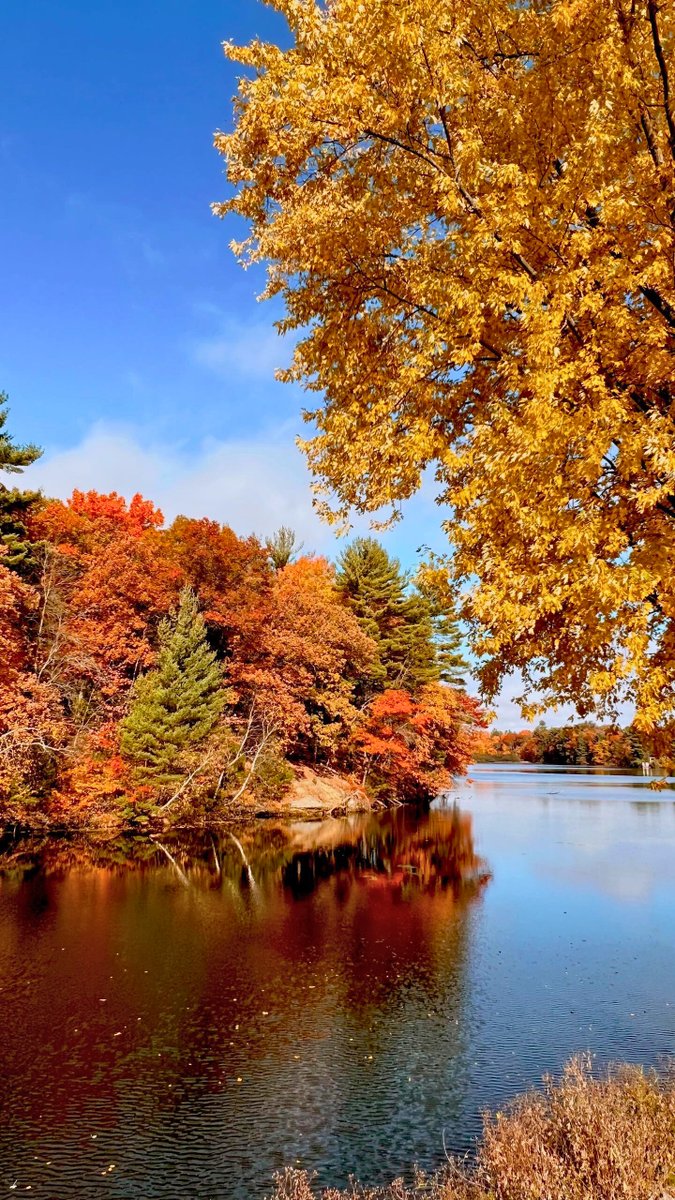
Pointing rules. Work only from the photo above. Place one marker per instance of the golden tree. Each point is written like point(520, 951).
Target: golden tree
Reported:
point(469, 210)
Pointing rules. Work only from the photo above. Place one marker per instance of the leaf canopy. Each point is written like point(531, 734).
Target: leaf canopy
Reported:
point(469, 210)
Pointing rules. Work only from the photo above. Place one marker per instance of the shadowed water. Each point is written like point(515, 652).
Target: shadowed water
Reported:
point(180, 1020)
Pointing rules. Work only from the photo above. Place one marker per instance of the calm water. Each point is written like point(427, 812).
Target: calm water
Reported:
point(180, 1021)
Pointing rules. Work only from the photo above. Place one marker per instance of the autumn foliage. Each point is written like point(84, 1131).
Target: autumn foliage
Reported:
point(468, 210)
point(584, 744)
point(179, 670)
point(31, 721)
point(415, 744)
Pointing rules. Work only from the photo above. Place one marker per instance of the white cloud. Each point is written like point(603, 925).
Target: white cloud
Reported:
point(506, 709)
point(247, 349)
point(253, 484)
point(508, 714)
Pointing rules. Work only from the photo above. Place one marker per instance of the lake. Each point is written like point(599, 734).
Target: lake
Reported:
point(181, 1020)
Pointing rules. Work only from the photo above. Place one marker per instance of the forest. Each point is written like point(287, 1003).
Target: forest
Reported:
point(581, 745)
point(181, 672)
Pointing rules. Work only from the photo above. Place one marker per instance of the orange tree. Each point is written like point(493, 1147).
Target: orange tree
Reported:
point(410, 747)
point(105, 586)
point(232, 577)
point(469, 210)
point(311, 654)
point(31, 723)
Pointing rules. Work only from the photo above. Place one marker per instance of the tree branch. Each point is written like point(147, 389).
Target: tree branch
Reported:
point(383, 137)
point(652, 9)
point(188, 779)
point(662, 306)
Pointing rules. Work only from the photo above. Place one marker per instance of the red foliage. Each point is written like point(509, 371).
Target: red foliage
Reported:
point(17, 601)
point(295, 657)
point(91, 778)
point(111, 588)
point(309, 654)
point(89, 519)
point(231, 576)
point(410, 747)
point(30, 718)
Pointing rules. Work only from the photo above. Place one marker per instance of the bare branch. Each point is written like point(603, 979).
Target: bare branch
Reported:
point(186, 782)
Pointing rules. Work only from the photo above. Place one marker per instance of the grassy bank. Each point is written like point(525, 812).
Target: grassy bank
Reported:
point(583, 1138)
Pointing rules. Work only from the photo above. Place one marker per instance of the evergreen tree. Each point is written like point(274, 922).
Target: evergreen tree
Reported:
point(582, 750)
point(399, 621)
point(448, 642)
point(637, 747)
point(14, 503)
point(176, 705)
point(282, 547)
point(452, 666)
point(13, 458)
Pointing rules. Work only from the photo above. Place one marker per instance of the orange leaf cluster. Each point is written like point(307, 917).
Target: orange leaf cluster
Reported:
point(414, 745)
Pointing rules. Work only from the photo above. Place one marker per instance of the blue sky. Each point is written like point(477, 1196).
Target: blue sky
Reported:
point(123, 302)
point(133, 347)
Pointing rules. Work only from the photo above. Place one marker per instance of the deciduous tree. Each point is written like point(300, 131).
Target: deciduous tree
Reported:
point(469, 210)
point(410, 747)
point(231, 576)
point(106, 583)
point(31, 724)
point(311, 655)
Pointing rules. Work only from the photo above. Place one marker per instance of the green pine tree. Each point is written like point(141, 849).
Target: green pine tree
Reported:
point(399, 621)
point(175, 706)
point(448, 641)
point(283, 547)
point(452, 665)
point(14, 503)
point(637, 746)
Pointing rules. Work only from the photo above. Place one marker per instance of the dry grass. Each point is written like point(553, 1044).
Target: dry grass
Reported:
point(610, 1138)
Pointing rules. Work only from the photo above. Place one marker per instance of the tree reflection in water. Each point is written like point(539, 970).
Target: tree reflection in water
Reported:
point(174, 995)
point(398, 850)
point(404, 850)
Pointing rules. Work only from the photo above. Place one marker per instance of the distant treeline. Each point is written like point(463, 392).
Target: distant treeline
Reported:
point(584, 744)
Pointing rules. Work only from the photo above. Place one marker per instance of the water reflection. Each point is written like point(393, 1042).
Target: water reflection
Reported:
point(200, 1011)
point(403, 850)
point(349, 994)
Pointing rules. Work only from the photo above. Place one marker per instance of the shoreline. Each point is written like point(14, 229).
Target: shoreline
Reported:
point(312, 796)
point(583, 1136)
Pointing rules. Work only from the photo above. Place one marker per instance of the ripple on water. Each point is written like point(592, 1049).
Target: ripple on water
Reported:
point(355, 1007)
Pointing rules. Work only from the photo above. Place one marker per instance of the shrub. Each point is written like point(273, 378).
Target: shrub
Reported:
point(273, 777)
point(584, 1138)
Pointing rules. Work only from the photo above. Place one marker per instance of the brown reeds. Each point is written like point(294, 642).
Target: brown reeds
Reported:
point(581, 1138)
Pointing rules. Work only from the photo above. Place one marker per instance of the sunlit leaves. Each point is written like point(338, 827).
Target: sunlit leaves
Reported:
point(469, 211)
